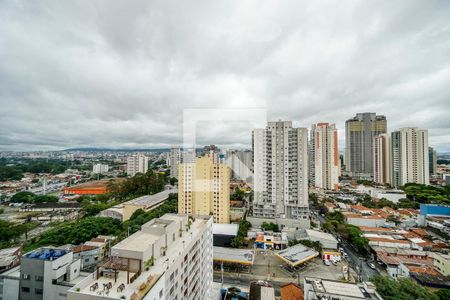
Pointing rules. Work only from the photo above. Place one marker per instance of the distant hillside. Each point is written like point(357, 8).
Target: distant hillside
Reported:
point(90, 149)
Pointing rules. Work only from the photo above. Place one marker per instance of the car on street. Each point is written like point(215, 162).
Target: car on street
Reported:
point(371, 265)
point(326, 262)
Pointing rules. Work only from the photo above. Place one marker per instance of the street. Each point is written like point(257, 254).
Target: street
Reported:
point(357, 263)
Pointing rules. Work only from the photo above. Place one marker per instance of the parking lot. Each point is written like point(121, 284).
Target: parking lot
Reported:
point(268, 265)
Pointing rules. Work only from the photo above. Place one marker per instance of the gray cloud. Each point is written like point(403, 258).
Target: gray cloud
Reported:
point(119, 74)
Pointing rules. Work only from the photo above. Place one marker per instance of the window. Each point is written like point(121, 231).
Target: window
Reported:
point(25, 289)
point(38, 291)
point(161, 293)
point(38, 278)
point(26, 276)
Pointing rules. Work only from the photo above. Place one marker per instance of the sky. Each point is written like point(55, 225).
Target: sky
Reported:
point(120, 74)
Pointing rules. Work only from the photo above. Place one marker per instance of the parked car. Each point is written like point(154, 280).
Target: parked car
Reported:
point(345, 255)
point(326, 262)
point(371, 265)
point(334, 262)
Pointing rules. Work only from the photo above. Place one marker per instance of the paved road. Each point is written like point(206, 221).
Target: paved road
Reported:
point(356, 262)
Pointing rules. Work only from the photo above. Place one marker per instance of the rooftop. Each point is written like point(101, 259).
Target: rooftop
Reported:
point(150, 200)
point(46, 254)
point(225, 229)
point(241, 256)
point(331, 287)
point(320, 234)
point(297, 254)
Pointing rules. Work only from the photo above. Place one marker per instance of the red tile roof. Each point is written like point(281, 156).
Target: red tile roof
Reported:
point(291, 291)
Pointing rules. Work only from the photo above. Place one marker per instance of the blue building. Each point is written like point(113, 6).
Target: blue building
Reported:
point(434, 210)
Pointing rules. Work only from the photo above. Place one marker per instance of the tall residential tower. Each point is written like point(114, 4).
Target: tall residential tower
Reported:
point(324, 156)
point(280, 163)
point(359, 134)
point(382, 168)
point(410, 160)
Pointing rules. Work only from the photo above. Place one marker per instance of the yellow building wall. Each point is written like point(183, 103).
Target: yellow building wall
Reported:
point(204, 189)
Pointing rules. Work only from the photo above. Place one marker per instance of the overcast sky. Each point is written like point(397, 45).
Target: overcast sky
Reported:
point(120, 73)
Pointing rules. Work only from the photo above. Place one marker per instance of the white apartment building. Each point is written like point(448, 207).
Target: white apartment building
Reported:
point(410, 159)
point(44, 274)
point(175, 158)
point(240, 163)
point(382, 163)
point(137, 164)
point(280, 162)
point(169, 258)
point(324, 156)
point(100, 169)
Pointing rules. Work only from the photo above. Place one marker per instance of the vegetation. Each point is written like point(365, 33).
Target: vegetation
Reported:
point(308, 243)
point(29, 197)
point(427, 193)
point(94, 208)
point(238, 195)
point(138, 185)
point(336, 223)
point(13, 170)
point(76, 232)
point(238, 241)
point(80, 231)
point(10, 232)
point(369, 203)
point(270, 227)
point(403, 289)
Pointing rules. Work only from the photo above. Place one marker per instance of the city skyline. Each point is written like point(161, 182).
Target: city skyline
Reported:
point(122, 73)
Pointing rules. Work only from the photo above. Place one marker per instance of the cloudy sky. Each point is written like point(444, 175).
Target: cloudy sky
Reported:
point(121, 73)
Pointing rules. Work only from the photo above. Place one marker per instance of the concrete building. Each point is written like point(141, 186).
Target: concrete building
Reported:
point(359, 133)
point(100, 169)
point(315, 288)
point(432, 158)
point(175, 158)
point(324, 156)
point(280, 162)
point(240, 163)
point(47, 273)
point(169, 258)
point(125, 210)
point(137, 164)
point(204, 188)
point(410, 158)
point(382, 172)
point(442, 263)
point(88, 255)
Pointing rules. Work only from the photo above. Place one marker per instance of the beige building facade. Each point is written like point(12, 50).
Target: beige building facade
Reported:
point(204, 189)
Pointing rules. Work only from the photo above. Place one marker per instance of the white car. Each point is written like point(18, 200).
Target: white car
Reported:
point(326, 262)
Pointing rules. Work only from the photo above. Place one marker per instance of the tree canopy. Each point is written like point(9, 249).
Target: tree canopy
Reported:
point(401, 289)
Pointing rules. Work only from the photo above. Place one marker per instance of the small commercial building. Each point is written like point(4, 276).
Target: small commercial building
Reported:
point(316, 288)
point(296, 255)
point(327, 240)
point(242, 258)
point(223, 234)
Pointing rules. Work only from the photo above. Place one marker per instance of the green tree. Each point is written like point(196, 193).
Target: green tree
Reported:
point(23, 197)
point(443, 294)
point(401, 289)
point(270, 226)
